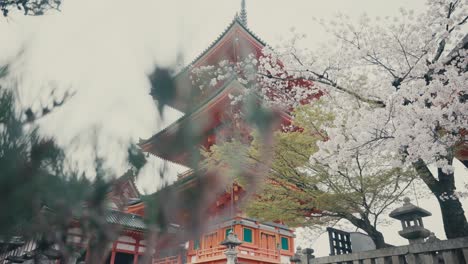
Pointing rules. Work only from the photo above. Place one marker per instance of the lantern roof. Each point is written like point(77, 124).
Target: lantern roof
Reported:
point(231, 240)
point(409, 211)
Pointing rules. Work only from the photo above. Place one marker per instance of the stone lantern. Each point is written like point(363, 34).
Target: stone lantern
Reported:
point(297, 257)
point(411, 216)
point(309, 254)
point(231, 242)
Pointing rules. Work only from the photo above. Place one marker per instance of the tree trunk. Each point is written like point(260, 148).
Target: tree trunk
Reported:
point(377, 237)
point(453, 215)
point(367, 227)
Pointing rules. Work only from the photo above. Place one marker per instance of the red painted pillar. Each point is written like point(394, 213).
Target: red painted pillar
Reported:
point(114, 245)
point(135, 256)
point(87, 254)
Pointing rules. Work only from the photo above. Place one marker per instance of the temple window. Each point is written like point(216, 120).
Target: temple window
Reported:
point(247, 235)
point(227, 232)
point(196, 244)
point(284, 243)
point(210, 240)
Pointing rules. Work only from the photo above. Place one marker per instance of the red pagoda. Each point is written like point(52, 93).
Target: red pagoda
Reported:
point(216, 211)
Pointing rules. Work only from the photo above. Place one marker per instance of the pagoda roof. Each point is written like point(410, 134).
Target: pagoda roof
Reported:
point(137, 205)
point(234, 22)
point(234, 44)
point(176, 142)
point(128, 177)
point(126, 220)
point(173, 142)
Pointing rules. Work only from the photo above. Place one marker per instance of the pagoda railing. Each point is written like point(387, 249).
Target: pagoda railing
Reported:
point(216, 253)
point(210, 253)
point(259, 253)
point(168, 260)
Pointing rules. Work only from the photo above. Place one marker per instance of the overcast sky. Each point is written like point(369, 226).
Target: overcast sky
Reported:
point(104, 49)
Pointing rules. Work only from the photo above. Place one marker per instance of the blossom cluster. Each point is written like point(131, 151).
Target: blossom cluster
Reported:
point(395, 88)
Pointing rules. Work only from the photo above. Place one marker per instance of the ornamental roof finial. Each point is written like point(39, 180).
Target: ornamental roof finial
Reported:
point(243, 14)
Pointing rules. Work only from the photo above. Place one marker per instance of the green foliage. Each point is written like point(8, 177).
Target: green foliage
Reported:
point(40, 197)
point(27, 163)
point(232, 158)
point(288, 193)
point(33, 177)
point(136, 158)
point(3, 71)
point(258, 115)
point(163, 88)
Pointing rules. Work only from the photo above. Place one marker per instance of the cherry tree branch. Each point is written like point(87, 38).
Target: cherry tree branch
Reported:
point(326, 81)
point(426, 175)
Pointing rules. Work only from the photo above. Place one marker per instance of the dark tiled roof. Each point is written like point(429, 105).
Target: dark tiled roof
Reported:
point(131, 221)
point(14, 240)
point(133, 201)
point(285, 227)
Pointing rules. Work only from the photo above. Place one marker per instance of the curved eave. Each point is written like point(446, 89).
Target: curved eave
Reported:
point(170, 133)
point(182, 183)
point(199, 58)
point(171, 129)
point(128, 176)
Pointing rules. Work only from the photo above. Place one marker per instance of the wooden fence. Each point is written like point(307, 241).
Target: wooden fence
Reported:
point(452, 251)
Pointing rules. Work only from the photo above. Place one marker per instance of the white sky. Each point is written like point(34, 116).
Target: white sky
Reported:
point(103, 50)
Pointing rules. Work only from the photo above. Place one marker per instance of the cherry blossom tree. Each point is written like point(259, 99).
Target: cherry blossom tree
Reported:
point(396, 90)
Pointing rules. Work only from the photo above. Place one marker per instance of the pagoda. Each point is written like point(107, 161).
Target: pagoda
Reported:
point(199, 201)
